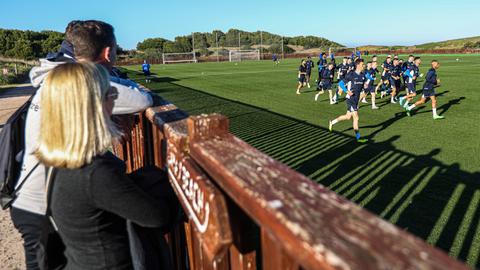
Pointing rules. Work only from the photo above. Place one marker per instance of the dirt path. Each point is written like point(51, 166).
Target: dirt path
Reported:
point(11, 250)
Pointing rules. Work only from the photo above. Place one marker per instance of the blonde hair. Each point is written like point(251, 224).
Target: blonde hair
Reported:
point(74, 125)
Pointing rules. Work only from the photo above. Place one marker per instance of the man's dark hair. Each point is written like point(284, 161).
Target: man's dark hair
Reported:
point(416, 58)
point(345, 57)
point(323, 54)
point(89, 38)
point(411, 55)
point(369, 62)
point(434, 61)
point(358, 61)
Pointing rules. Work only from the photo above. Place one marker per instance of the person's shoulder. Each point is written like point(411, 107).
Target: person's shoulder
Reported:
point(107, 163)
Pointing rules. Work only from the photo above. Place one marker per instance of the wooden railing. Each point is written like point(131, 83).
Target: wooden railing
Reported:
point(248, 211)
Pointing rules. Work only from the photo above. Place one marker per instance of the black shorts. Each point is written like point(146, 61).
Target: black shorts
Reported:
point(411, 88)
point(302, 79)
point(309, 72)
point(326, 85)
point(395, 83)
point(428, 93)
point(370, 89)
point(352, 104)
point(146, 73)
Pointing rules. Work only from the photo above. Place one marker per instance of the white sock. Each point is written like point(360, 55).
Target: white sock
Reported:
point(391, 98)
point(411, 106)
point(334, 121)
point(434, 110)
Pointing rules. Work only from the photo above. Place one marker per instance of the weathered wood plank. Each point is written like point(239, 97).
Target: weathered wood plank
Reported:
point(202, 201)
point(320, 229)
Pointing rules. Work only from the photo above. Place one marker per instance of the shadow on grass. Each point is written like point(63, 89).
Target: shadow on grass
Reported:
point(418, 193)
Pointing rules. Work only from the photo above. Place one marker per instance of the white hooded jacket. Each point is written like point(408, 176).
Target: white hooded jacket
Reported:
point(31, 197)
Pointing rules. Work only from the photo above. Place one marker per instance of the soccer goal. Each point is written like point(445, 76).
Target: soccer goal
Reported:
point(241, 55)
point(188, 57)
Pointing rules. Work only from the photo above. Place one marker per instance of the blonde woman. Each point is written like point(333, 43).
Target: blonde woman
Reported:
point(91, 197)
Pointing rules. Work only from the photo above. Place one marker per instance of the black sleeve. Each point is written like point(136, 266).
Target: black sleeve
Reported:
point(431, 77)
point(111, 190)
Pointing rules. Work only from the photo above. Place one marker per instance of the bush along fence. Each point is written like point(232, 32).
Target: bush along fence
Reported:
point(246, 210)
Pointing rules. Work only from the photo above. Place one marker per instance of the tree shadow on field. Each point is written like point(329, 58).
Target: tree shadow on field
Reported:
point(435, 201)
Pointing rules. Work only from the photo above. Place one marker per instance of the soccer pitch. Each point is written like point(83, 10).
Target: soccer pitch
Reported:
point(420, 174)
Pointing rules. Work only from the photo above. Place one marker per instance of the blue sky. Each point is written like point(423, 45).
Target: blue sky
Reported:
point(405, 22)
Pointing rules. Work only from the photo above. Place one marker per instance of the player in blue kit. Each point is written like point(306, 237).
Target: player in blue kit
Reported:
point(309, 65)
point(356, 83)
point(302, 72)
point(395, 83)
point(411, 75)
point(327, 81)
point(146, 70)
point(385, 78)
point(431, 81)
point(342, 69)
point(322, 64)
point(275, 59)
point(370, 75)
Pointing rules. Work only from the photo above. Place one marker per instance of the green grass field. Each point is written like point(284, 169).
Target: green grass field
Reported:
point(420, 174)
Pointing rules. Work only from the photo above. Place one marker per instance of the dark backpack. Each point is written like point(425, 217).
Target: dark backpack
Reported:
point(12, 145)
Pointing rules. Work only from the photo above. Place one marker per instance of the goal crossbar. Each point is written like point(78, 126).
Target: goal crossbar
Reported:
point(179, 57)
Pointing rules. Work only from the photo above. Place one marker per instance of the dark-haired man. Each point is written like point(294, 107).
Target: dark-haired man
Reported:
point(411, 75)
point(356, 83)
point(431, 81)
point(309, 65)
point(92, 41)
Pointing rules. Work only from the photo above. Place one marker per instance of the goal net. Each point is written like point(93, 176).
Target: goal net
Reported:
point(241, 55)
point(188, 57)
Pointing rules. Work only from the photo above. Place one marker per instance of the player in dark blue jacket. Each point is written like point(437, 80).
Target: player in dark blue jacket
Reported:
point(411, 75)
point(342, 69)
point(302, 72)
point(327, 81)
point(275, 59)
point(356, 84)
point(405, 66)
point(431, 81)
point(370, 75)
point(321, 64)
point(385, 77)
point(146, 70)
point(395, 83)
point(309, 65)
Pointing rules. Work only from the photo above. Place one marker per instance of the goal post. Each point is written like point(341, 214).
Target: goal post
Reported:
point(188, 57)
point(241, 55)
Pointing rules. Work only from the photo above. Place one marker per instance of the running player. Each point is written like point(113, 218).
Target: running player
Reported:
point(431, 81)
point(370, 75)
point(356, 82)
point(342, 69)
point(411, 74)
point(309, 65)
point(385, 79)
point(275, 59)
point(327, 79)
point(322, 63)
point(146, 70)
point(395, 83)
point(302, 72)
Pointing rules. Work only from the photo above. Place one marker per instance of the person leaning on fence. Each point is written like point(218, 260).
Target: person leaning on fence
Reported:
point(90, 196)
point(84, 41)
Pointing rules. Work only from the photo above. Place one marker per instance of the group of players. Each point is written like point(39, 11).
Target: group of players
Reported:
point(357, 81)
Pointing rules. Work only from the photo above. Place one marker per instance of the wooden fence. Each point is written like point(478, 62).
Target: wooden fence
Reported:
point(248, 211)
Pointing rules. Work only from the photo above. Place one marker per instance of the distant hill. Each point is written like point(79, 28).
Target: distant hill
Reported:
point(461, 43)
point(450, 44)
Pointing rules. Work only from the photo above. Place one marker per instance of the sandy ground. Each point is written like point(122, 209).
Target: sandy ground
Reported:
point(11, 249)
